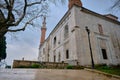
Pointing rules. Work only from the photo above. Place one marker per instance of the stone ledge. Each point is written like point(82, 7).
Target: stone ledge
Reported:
point(103, 73)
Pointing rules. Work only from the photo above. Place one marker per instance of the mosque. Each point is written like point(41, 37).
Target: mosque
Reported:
point(82, 36)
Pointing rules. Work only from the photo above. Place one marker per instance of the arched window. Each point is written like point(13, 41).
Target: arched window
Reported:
point(59, 57)
point(66, 31)
point(43, 50)
point(100, 28)
point(48, 57)
point(54, 41)
point(67, 54)
point(54, 58)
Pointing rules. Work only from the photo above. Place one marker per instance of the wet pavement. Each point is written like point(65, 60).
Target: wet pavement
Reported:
point(17, 74)
point(50, 74)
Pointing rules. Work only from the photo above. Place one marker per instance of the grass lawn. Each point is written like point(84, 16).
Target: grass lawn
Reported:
point(111, 70)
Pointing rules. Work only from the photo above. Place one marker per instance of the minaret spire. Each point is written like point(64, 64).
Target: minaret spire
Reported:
point(44, 22)
point(43, 31)
point(74, 2)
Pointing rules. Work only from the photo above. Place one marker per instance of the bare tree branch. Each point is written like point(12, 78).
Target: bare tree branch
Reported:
point(9, 7)
point(34, 3)
point(7, 2)
point(24, 12)
point(24, 27)
point(116, 4)
point(19, 12)
point(21, 18)
point(3, 6)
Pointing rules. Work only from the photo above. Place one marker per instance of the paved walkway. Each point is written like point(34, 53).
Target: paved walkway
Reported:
point(50, 74)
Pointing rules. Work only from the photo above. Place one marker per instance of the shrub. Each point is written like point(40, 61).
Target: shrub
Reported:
point(100, 66)
point(74, 67)
point(78, 67)
point(8, 66)
point(36, 66)
point(32, 66)
point(69, 67)
point(21, 66)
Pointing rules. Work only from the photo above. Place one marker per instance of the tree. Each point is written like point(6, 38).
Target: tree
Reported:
point(116, 5)
point(2, 48)
point(17, 13)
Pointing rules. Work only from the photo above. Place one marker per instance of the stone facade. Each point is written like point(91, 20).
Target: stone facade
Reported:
point(68, 42)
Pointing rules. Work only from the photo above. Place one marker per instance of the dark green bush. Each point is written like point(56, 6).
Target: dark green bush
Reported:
point(32, 66)
point(74, 67)
point(78, 67)
point(21, 66)
point(36, 66)
point(69, 67)
point(8, 66)
point(103, 66)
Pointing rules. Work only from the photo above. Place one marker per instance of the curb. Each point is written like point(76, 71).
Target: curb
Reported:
point(103, 73)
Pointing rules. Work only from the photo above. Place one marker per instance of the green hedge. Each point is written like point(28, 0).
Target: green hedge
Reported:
point(74, 67)
point(32, 66)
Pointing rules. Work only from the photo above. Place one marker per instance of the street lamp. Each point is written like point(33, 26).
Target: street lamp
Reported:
point(92, 61)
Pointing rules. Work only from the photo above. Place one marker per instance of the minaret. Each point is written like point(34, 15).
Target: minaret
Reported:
point(74, 2)
point(43, 31)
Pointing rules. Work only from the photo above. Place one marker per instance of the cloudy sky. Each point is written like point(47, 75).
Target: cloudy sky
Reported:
point(25, 44)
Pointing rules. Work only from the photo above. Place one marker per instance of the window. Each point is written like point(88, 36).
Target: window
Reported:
point(67, 54)
point(104, 54)
point(54, 58)
point(59, 56)
point(100, 28)
point(43, 50)
point(54, 41)
point(66, 31)
point(48, 57)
